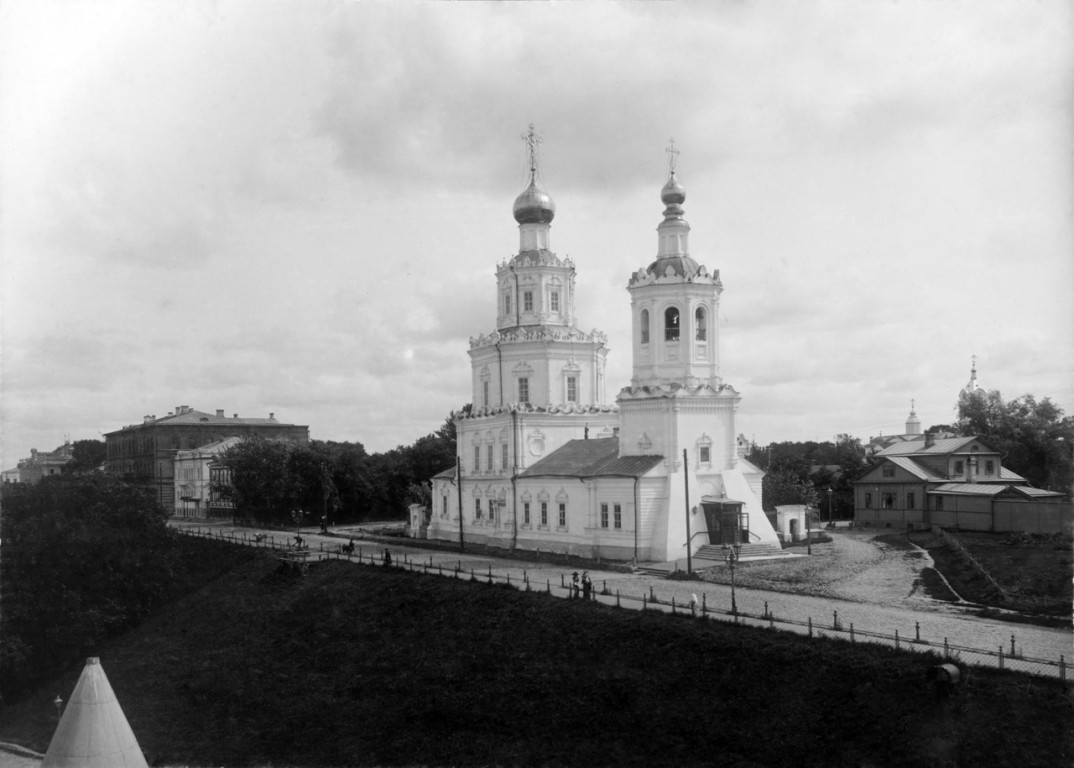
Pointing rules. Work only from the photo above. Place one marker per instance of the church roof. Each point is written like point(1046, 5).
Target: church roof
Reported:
point(591, 458)
point(447, 474)
point(93, 732)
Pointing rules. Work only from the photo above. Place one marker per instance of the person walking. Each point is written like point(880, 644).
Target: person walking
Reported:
point(587, 586)
point(387, 558)
point(574, 586)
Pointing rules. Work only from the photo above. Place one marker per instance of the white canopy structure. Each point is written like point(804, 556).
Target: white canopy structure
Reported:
point(93, 732)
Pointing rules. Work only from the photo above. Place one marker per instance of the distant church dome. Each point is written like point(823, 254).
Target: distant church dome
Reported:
point(913, 423)
point(972, 387)
point(534, 206)
point(683, 266)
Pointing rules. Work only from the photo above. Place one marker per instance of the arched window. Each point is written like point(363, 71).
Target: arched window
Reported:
point(671, 324)
point(699, 324)
point(645, 326)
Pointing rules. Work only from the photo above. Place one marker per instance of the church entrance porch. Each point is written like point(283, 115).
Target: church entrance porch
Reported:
point(728, 524)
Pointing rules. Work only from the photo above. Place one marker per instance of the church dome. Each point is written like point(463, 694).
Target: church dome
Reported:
point(673, 193)
point(683, 266)
point(534, 206)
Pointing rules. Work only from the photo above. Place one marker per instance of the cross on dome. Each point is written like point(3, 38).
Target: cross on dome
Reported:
point(532, 141)
point(672, 156)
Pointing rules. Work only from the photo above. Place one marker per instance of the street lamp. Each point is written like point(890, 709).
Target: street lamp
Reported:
point(732, 558)
point(829, 504)
point(58, 703)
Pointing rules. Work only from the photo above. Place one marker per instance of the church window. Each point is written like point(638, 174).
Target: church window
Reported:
point(505, 449)
point(492, 509)
point(553, 301)
point(910, 500)
point(477, 509)
point(644, 326)
point(699, 321)
point(525, 513)
point(618, 516)
point(572, 389)
point(990, 468)
point(562, 515)
point(507, 303)
point(671, 324)
point(544, 513)
point(527, 301)
point(485, 393)
point(704, 454)
point(488, 458)
point(477, 458)
point(443, 509)
point(523, 390)
point(603, 515)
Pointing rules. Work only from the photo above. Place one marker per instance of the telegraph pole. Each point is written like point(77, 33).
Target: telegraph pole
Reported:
point(686, 485)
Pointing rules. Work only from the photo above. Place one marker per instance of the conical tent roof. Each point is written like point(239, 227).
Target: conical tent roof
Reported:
point(93, 732)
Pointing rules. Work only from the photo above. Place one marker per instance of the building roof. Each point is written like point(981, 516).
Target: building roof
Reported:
point(917, 445)
point(93, 731)
point(215, 448)
point(187, 416)
point(447, 474)
point(591, 458)
point(915, 468)
point(970, 489)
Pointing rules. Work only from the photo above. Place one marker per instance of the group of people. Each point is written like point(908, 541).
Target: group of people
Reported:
point(583, 585)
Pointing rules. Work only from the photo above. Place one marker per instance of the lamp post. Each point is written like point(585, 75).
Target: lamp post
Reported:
point(829, 504)
point(58, 703)
point(808, 532)
point(732, 558)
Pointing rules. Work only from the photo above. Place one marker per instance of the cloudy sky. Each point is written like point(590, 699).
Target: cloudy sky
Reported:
point(298, 207)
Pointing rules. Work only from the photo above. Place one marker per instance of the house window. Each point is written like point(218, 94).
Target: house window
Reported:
point(477, 458)
point(703, 454)
point(888, 498)
point(507, 303)
point(525, 513)
point(937, 502)
point(699, 321)
point(485, 393)
point(990, 468)
point(562, 515)
point(553, 301)
point(644, 323)
point(868, 500)
point(910, 501)
point(671, 324)
point(603, 515)
point(618, 516)
point(544, 513)
point(958, 467)
point(504, 457)
point(572, 389)
point(527, 301)
point(888, 470)
point(477, 509)
point(523, 390)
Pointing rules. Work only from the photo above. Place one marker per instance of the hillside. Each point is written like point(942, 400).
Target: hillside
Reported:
point(361, 665)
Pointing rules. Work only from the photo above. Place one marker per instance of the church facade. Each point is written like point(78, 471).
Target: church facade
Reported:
point(545, 463)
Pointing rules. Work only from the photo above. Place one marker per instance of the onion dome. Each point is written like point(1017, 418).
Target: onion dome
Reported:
point(683, 266)
point(534, 206)
point(673, 193)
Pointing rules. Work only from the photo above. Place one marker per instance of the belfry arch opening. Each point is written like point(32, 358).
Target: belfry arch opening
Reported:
point(671, 324)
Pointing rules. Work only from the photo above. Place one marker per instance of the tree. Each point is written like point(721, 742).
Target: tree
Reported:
point(1033, 437)
point(87, 456)
point(782, 487)
point(260, 485)
point(85, 556)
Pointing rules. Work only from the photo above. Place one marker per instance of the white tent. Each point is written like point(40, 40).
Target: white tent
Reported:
point(93, 732)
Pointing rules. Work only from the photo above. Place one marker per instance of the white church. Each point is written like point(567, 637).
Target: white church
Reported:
point(546, 463)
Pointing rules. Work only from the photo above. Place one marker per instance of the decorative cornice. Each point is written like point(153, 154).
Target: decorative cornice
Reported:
point(538, 333)
point(675, 390)
point(644, 277)
point(540, 258)
point(563, 408)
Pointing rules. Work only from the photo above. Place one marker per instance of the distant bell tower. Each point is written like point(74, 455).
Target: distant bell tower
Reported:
point(913, 423)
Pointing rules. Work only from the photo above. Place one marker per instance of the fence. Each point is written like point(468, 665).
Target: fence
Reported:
point(1003, 657)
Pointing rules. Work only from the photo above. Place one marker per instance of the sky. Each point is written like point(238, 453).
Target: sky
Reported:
point(298, 207)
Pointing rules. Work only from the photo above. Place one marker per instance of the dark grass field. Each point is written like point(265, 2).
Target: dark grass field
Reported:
point(1035, 571)
point(362, 665)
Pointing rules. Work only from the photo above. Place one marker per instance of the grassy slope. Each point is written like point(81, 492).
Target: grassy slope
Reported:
point(355, 665)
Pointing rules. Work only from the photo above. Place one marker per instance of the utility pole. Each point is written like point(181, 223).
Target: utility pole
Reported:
point(686, 486)
point(458, 487)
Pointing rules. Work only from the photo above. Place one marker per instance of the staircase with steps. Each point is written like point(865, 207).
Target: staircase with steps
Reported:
point(745, 551)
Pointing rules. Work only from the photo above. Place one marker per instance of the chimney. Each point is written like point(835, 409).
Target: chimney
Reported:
point(930, 439)
point(272, 415)
point(235, 415)
point(178, 409)
point(220, 412)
